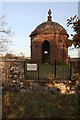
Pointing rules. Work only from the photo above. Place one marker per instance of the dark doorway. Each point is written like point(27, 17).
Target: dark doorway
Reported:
point(45, 52)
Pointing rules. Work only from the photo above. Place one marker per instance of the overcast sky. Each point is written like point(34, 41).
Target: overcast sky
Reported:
point(24, 17)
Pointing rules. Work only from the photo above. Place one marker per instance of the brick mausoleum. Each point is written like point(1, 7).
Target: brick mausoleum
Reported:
point(48, 42)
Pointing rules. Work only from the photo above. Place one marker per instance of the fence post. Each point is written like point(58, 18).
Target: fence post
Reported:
point(38, 69)
point(55, 69)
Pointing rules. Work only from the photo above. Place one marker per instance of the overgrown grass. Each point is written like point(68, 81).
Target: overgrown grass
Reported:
point(39, 105)
point(47, 71)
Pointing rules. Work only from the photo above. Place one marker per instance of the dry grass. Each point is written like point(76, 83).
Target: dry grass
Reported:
point(39, 105)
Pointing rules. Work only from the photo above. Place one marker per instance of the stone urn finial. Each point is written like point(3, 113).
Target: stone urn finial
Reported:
point(49, 17)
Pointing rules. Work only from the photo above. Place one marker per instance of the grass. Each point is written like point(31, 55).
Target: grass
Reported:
point(39, 105)
point(47, 71)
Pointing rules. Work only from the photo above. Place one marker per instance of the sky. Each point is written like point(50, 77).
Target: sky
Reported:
point(24, 17)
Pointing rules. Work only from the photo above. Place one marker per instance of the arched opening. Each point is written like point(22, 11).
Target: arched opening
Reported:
point(45, 52)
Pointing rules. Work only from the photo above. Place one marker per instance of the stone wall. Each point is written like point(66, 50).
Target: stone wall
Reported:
point(75, 64)
point(12, 69)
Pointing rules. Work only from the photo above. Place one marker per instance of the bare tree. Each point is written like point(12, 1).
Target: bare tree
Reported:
point(5, 33)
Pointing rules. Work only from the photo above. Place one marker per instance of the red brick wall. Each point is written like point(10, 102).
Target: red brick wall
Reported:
point(56, 51)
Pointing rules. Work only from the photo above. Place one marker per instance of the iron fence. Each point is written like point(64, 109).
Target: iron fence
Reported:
point(47, 71)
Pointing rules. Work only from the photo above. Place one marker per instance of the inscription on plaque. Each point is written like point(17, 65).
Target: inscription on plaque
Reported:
point(32, 67)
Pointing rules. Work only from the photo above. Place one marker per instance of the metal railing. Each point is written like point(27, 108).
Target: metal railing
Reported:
point(48, 71)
